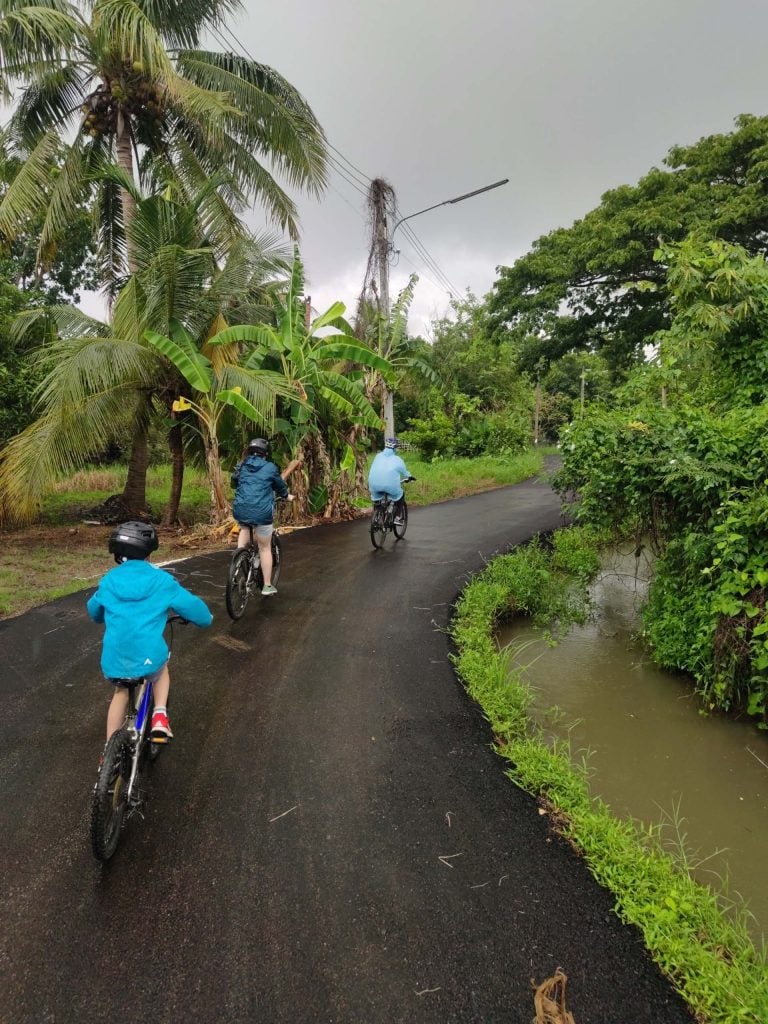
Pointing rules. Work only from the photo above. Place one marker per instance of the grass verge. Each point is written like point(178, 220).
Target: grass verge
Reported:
point(706, 951)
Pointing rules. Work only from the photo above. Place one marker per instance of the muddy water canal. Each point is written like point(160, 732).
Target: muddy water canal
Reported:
point(654, 756)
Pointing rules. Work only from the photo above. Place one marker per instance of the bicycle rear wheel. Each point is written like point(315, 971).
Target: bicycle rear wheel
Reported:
point(110, 796)
point(237, 583)
point(399, 531)
point(277, 558)
point(378, 527)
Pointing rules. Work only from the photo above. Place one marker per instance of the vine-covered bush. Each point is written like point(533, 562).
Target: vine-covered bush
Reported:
point(696, 484)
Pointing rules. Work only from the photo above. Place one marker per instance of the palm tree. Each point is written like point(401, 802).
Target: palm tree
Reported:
point(103, 379)
point(130, 80)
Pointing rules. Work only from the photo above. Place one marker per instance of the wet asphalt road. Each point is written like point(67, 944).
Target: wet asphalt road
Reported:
point(288, 868)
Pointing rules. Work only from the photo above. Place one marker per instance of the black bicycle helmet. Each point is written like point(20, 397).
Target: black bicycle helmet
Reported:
point(258, 446)
point(133, 540)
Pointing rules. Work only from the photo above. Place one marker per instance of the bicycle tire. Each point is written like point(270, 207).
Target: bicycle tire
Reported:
point(399, 531)
point(277, 558)
point(378, 528)
point(110, 796)
point(237, 583)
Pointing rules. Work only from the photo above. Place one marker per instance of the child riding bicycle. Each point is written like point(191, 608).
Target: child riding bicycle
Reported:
point(133, 601)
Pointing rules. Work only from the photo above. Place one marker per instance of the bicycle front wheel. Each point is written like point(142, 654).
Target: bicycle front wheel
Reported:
point(378, 528)
point(237, 583)
point(399, 529)
point(110, 795)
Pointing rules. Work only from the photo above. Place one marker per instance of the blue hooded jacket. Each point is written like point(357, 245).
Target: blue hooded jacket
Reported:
point(256, 480)
point(134, 600)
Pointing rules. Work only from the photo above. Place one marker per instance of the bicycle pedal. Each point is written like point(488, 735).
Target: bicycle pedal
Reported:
point(161, 740)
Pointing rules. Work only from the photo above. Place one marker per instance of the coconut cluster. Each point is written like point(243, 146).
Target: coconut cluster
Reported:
point(132, 93)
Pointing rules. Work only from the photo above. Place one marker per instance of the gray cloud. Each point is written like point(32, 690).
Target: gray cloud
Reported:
point(567, 98)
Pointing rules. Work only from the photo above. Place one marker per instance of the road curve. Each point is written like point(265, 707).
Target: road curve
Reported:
point(330, 837)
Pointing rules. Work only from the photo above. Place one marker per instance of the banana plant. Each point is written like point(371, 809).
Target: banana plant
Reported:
point(324, 365)
point(218, 382)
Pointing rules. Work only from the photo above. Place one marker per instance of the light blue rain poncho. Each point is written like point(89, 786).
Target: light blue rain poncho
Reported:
point(387, 470)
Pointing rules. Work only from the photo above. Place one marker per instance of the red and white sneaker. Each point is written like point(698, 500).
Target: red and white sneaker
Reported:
point(161, 728)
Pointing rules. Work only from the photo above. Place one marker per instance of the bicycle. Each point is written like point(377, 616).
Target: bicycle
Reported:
point(383, 518)
point(118, 784)
point(245, 575)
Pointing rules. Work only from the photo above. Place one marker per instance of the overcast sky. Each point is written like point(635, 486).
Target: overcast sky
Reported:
point(566, 98)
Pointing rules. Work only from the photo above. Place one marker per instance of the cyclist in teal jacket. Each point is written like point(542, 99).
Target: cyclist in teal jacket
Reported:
point(385, 476)
point(256, 481)
point(133, 601)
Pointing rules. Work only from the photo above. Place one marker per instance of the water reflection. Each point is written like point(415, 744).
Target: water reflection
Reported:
point(653, 754)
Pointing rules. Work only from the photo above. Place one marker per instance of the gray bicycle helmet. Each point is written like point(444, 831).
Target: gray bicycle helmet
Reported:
point(133, 540)
point(391, 442)
point(258, 446)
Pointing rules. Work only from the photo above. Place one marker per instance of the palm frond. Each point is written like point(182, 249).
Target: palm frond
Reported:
point(46, 33)
point(59, 443)
point(275, 116)
point(66, 321)
point(48, 102)
point(129, 313)
point(181, 22)
point(27, 192)
point(112, 248)
point(82, 367)
point(70, 189)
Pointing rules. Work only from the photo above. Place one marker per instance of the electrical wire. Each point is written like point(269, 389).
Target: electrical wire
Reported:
point(418, 246)
point(343, 165)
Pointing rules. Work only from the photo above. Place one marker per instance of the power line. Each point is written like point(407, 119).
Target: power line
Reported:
point(339, 169)
point(343, 164)
point(431, 262)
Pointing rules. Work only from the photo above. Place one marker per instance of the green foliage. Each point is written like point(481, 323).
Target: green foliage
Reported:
point(715, 186)
point(695, 484)
point(481, 406)
point(705, 951)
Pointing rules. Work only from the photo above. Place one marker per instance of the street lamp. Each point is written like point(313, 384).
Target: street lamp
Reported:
point(385, 248)
point(449, 202)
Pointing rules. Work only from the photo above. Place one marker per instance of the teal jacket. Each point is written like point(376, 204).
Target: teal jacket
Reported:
point(257, 481)
point(134, 600)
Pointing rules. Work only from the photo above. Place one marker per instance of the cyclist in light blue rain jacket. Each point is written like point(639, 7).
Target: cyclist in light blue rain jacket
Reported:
point(134, 601)
point(256, 481)
point(385, 475)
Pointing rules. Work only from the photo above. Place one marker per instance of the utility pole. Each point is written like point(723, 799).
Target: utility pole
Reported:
point(381, 199)
point(382, 206)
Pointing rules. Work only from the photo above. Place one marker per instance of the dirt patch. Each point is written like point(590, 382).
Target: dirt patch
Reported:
point(41, 563)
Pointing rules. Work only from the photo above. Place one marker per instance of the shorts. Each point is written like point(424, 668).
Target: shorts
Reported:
point(263, 530)
point(123, 683)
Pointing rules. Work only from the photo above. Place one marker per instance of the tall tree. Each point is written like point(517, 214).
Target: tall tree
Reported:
point(569, 292)
point(129, 78)
point(103, 380)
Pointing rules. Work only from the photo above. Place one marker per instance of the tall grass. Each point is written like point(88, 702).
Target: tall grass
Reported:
point(87, 488)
